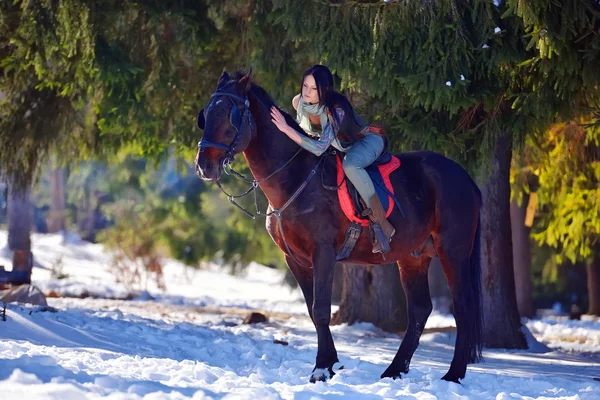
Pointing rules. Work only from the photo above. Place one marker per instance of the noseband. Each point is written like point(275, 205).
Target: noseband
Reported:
point(239, 115)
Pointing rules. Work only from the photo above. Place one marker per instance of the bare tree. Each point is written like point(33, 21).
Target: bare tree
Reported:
point(522, 258)
point(57, 219)
point(502, 325)
point(372, 294)
point(20, 213)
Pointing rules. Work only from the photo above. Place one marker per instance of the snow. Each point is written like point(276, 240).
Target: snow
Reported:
point(497, 30)
point(569, 335)
point(189, 342)
point(448, 83)
point(88, 267)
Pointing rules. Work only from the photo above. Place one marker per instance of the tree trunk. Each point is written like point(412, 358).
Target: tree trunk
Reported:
point(438, 288)
point(20, 212)
point(593, 283)
point(86, 216)
point(58, 208)
point(521, 258)
point(338, 284)
point(372, 294)
point(501, 327)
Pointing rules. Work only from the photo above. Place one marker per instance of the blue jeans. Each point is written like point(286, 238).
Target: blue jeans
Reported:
point(357, 158)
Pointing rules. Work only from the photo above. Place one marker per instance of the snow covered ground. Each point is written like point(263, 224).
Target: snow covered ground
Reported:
point(189, 342)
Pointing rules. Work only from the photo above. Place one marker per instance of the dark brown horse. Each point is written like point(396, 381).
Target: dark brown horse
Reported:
point(439, 199)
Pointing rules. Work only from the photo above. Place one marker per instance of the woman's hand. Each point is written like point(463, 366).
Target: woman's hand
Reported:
point(279, 120)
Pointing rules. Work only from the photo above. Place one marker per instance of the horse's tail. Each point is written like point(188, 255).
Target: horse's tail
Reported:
point(472, 282)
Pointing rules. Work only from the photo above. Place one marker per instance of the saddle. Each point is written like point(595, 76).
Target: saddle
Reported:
point(379, 171)
point(351, 203)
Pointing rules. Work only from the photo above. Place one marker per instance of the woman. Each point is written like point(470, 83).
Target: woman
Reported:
point(320, 108)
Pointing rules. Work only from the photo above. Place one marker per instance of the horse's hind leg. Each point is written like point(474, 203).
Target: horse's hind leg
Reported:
point(462, 269)
point(413, 274)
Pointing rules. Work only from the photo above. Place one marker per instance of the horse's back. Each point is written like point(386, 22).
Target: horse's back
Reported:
point(427, 181)
point(437, 169)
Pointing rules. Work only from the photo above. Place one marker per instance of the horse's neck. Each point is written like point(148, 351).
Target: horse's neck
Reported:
point(268, 151)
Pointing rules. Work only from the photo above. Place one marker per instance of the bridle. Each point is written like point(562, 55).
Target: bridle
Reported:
point(237, 118)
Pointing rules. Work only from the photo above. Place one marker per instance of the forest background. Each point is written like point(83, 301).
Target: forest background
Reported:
point(98, 101)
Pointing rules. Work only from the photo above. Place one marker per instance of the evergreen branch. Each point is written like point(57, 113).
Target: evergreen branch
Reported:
point(366, 3)
point(466, 118)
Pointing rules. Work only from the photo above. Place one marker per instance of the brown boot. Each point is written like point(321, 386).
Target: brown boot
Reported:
point(383, 230)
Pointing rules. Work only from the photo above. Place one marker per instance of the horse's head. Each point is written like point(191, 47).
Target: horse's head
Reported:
point(227, 124)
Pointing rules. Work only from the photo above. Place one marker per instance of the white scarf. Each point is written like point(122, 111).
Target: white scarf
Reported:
point(303, 118)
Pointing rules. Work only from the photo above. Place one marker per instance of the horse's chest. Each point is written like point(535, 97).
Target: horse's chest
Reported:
point(292, 228)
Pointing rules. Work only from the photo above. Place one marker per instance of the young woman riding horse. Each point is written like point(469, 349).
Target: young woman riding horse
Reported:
point(319, 106)
point(441, 215)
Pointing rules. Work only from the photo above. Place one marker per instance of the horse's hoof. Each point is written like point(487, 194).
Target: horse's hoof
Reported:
point(393, 372)
point(450, 378)
point(321, 375)
point(390, 374)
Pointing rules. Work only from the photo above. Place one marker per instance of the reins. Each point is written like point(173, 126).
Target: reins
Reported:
point(255, 182)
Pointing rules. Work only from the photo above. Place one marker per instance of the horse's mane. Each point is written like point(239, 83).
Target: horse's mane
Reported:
point(267, 100)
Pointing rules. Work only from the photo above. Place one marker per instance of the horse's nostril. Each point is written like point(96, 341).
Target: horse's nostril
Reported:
point(207, 169)
point(198, 171)
point(202, 164)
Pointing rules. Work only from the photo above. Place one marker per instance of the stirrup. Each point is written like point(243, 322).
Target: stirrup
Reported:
point(380, 240)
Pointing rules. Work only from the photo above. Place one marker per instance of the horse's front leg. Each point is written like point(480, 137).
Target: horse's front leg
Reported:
point(304, 277)
point(323, 267)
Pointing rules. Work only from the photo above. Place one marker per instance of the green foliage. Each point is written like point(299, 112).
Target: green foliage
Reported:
point(245, 237)
point(133, 240)
point(166, 203)
point(278, 60)
point(92, 77)
point(46, 66)
point(149, 55)
point(104, 77)
point(434, 70)
point(171, 210)
point(560, 78)
point(554, 281)
point(567, 162)
point(451, 75)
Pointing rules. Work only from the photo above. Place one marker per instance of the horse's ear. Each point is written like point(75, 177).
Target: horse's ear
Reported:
point(200, 120)
point(223, 79)
point(246, 82)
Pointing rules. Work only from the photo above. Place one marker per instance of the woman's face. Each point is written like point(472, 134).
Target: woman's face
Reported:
point(309, 90)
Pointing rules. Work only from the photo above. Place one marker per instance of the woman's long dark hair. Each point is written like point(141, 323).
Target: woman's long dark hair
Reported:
point(328, 97)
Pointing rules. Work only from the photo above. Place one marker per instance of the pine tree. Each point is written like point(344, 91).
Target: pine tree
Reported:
point(47, 64)
point(469, 79)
